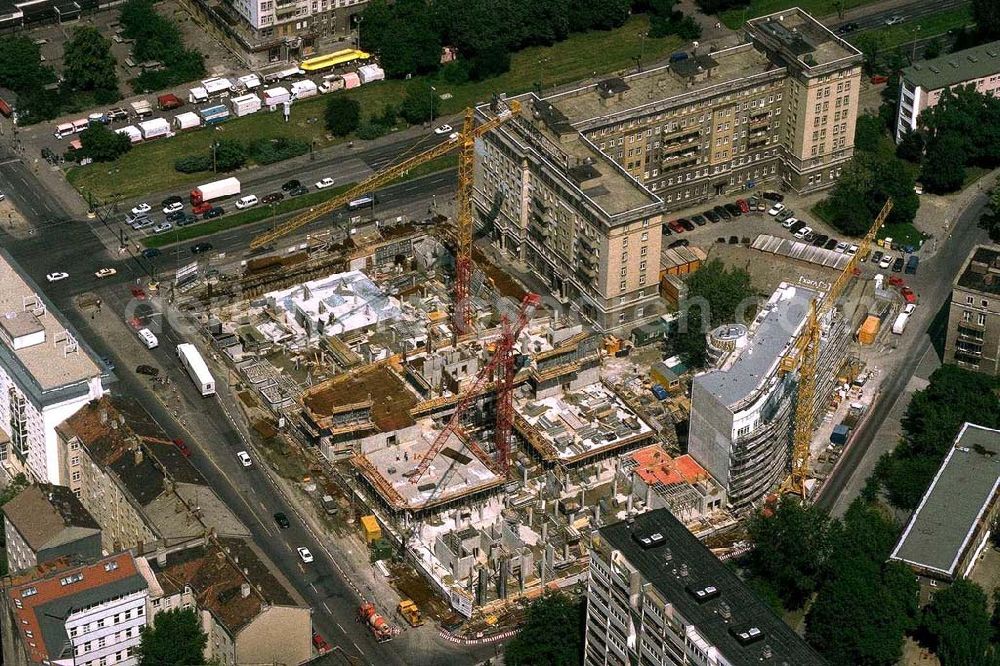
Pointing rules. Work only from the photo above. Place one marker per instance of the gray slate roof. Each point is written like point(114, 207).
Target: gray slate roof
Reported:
point(954, 68)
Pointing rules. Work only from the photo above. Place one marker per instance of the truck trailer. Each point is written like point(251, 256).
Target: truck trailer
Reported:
point(274, 97)
point(216, 113)
point(217, 87)
point(217, 189)
point(154, 128)
point(303, 89)
point(187, 120)
point(196, 368)
point(244, 105)
point(142, 108)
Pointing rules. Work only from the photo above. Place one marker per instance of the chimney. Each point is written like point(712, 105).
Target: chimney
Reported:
point(245, 590)
point(137, 451)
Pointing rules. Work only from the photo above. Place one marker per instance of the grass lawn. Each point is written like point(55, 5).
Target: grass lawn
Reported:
point(149, 167)
point(904, 234)
point(289, 205)
point(734, 18)
point(895, 36)
point(972, 174)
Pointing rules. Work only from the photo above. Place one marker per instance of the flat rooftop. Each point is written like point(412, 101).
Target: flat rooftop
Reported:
point(796, 35)
point(771, 336)
point(948, 517)
point(745, 609)
point(654, 86)
point(572, 426)
point(982, 270)
point(57, 362)
point(954, 68)
point(462, 472)
point(391, 397)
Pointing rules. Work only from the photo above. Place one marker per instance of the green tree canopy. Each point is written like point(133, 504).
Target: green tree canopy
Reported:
point(230, 155)
point(862, 190)
point(419, 105)
point(104, 145)
point(970, 117)
point(957, 623)
point(21, 66)
point(88, 63)
point(991, 218)
point(174, 639)
point(552, 634)
point(791, 545)
point(944, 166)
point(986, 15)
point(342, 115)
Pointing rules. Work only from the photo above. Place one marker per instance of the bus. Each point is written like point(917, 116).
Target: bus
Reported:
point(363, 202)
point(343, 57)
point(196, 368)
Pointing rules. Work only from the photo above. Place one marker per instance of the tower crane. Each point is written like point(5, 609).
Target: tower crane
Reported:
point(805, 356)
point(465, 142)
point(501, 363)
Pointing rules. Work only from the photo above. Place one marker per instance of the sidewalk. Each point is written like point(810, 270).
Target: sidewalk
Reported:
point(936, 215)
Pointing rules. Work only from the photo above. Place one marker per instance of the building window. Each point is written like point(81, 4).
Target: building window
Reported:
point(29, 591)
point(970, 300)
point(621, 318)
point(76, 476)
point(986, 303)
point(982, 319)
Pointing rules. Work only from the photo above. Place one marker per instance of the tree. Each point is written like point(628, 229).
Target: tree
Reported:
point(911, 147)
point(944, 167)
point(598, 14)
point(229, 155)
point(174, 639)
point(990, 220)
point(790, 548)
point(552, 633)
point(420, 104)
point(932, 49)
point(862, 190)
point(971, 117)
point(21, 66)
point(717, 296)
point(89, 64)
point(868, 133)
point(986, 15)
point(104, 145)
point(957, 623)
point(343, 115)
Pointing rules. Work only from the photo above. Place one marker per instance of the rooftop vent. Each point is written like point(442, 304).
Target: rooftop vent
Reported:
point(703, 594)
point(746, 636)
point(648, 541)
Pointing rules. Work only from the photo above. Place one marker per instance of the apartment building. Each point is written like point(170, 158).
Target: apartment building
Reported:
point(248, 616)
point(46, 375)
point(742, 412)
point(43, 523)
point(74, 614)
point(656, 595)
point(575, 183)
point(922, 84)
point(973, 340)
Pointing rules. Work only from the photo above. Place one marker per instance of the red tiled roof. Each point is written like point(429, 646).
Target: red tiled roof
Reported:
point(656, 465)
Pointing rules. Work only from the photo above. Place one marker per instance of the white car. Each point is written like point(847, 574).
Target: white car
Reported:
point(444, 129)
point(789, 222)
point(244, 458)
point(141, 208)
point(895, 19)
point(803, 232)
point(841, 248)
point(105, 272)
point(886, 261)
point(853, 250)
point(173, 207)
point(909, 308)
point(325, 183)
point(162, 227)
point(776, 208)
point(2, 196)
point(451, 137)
point(55, 277)
point(247, 201)
point(306, 556)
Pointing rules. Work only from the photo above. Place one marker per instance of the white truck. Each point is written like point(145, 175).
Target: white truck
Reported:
point(154, 128)
point(187, 120)
point(903, 318)
point(142, 108)
point(217, 87)
point(371, 73)
point(196, 368)
point(197, 95)
point(274, 97)
point(244, 105)
point(247, 83)
point(303, 89)
point(217, 189)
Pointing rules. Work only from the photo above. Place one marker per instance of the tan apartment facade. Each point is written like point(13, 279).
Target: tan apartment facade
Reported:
point(973, 339)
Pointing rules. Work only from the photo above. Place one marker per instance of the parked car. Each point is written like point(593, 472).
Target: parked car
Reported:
point(665, 229)
point(141, 209)
point(186, 220)
point(895, 19)
point(797, 227)
point(172, 199)
point(147, 370)
point(784, 215)
point(744, 205)
point(162, 227)
point(803, 232)
point(774, 196)
point(830, 244)
point(201, 248)
point(688, 226)
point(176, 216)
point(298, 191)
point(57, 276)
point(776, 208)
point(304, 553)
point(182, 447)
point(244, 458)
point(290, 185)
point(733, 209)
point(699, 220)
point(840, 247)
point(897, 265)
point(885, 261)
point(847, 28)
point(173, 207)
point(215, 211)
point(877, 256)
point(324, 183)
point(247, 201)
point(820, 240)
point(151, 252)
point(852, 249)
point(443, 129)
point(273, 197)
point(712, 217)
point(789, 222)
point(676, 226)
point(683, 242)
point(722, 212)
point(105, 272)
point(282, 520)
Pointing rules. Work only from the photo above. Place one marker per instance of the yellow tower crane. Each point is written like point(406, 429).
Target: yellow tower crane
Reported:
point(805, 356)
point(464, 141)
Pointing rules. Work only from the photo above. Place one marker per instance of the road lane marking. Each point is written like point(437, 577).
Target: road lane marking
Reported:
point(331, 613)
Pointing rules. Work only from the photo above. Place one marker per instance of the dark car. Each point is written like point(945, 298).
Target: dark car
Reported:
point(215, 211)
point(699, 220)
point(795, 227)
point(830, 244)
point(666, 229)
point(712, 217)
point(897, 266)
point(147, 370)
point(200, 248)
point(186, 220)
point(877, 256)
point(282, 520)
point(171, 200)
point(273, 197)
point(722, 212)
point(111, 364)
point(151, 252)
point(298, 191)
point(688, 226)
point(176, 216)
point(291, 185)
point(847, 28)
point(774, 196)
point(733, 209)
point(820, 240)
point(684, 242)
point(185, 451)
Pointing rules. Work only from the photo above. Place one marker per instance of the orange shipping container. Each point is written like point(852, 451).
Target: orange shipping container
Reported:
point(868, 330)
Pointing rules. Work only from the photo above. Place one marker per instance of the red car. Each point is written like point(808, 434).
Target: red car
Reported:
point(908, 295)
point(182, 447)
point(896, 281)
point(138, 293)
point(676, 226)
point(744, 206)
point(320, 643)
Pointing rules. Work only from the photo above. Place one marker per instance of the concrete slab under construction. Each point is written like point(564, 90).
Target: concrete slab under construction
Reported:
point(380, 391)
point(454, 473)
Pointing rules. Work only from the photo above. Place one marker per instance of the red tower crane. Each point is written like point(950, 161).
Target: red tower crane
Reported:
point(500, 366)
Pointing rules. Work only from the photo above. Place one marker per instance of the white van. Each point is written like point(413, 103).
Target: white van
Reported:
point(147, 337)
point(247, 201)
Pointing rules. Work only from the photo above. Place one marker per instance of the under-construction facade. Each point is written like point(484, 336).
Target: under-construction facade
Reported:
point(577, 183)
point(742, 414)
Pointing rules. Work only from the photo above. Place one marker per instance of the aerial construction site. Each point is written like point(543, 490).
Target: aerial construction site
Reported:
point(480, 431)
